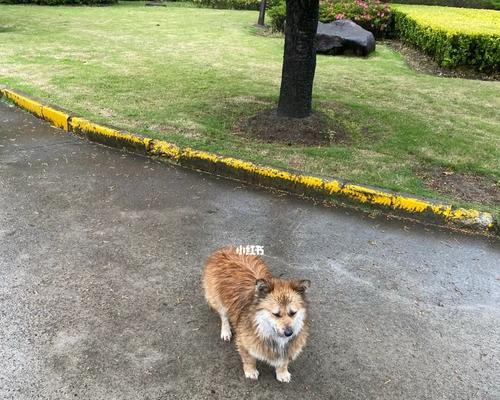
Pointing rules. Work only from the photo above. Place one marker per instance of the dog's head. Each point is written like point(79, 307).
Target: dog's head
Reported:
point(281, 307)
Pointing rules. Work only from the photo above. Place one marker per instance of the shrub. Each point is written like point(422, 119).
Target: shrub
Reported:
point(372, 15)
point(229, 4)
point(61, 2)
point(277, 15)
point(452, 36)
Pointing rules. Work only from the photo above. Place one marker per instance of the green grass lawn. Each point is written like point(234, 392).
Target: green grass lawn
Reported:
point(188, 75)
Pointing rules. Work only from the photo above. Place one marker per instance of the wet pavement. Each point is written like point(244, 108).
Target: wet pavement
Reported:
point(100, 260)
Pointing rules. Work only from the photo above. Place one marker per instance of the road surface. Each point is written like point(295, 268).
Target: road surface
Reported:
point(100, 260)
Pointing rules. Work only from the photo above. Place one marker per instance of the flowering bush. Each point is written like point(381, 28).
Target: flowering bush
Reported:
point(373, 15)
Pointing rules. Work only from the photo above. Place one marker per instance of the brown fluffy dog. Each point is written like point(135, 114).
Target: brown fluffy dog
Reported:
point(267, 314)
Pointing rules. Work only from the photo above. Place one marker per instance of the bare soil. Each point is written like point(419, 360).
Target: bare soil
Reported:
point(316, 130)
point(464, 186)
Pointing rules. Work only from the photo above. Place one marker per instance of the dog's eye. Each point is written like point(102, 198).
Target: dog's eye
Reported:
point(277, 314)
point(292, 313)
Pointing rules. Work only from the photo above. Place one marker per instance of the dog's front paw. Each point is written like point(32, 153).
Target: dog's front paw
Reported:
point(225, 333)
point(252, 374)
point(283, 376)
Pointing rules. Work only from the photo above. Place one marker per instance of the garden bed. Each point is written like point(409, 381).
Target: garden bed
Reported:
point(421, 62)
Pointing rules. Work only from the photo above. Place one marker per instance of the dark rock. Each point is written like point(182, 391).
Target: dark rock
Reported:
point(341, 36)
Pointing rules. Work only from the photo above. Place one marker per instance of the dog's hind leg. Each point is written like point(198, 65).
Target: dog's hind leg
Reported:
point(214, 301)
point(225, 329)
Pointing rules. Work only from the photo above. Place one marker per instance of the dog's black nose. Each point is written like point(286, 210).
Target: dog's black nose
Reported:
point(288, 331)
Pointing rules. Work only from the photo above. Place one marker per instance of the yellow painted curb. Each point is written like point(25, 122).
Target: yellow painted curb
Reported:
point(265, 176)
point(56, 117)
point(80, 125)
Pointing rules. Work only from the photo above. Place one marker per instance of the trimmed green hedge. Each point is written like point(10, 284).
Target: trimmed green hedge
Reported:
point(450, 48)
point(229, 4)
point(487, 4)
point(60, 2)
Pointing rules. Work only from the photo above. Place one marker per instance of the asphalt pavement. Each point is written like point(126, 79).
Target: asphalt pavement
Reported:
point(100, 263)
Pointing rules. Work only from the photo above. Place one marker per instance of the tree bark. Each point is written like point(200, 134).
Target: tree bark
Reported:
point(262, 12)
point(299, 60)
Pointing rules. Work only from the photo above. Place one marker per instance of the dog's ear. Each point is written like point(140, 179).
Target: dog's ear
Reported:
point(262, 287)
point(301, 285)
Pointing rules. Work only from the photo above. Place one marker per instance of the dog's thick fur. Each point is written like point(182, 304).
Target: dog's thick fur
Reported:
point(267, 314)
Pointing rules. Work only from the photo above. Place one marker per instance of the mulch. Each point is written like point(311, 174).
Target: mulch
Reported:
point(316, 130)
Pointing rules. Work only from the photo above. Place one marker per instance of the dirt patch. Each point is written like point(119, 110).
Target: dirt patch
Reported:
point(315, 130)
point(464, 186)
point(423, 63)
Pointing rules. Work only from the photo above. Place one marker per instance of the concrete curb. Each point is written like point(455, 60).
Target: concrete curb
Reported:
point(325, 189)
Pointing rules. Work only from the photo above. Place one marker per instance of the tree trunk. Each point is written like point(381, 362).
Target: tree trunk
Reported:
point(262, 12)
point(299, 61)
